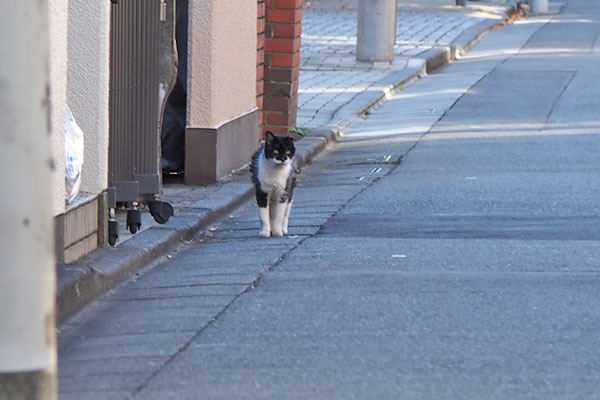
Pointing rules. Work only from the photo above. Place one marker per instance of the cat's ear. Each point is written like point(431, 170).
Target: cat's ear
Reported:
point(289, 140)
point(270, 137)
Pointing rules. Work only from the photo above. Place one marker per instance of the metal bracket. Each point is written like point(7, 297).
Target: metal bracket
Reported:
point(148, 183)
point(112, 197)
point(126, 192)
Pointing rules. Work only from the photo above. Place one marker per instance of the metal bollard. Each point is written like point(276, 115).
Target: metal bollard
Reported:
point(376, 30)
point(538, 6)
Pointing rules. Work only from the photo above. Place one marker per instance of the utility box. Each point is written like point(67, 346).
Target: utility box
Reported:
point(135, 105)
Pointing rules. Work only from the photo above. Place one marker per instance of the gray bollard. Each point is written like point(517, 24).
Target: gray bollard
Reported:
point(461, 2)
point(376, 30)
point(538, 6)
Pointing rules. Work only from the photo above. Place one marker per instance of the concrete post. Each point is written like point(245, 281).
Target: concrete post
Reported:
point(538, 6)
point(27, 276)
point(376, 30)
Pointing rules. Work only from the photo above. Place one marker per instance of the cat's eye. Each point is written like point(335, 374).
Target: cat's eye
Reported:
point(288, 152)
point(275, 151)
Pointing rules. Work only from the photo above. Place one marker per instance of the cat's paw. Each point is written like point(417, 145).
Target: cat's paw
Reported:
point(285, 231)
point(277, 233)
point(265, 234)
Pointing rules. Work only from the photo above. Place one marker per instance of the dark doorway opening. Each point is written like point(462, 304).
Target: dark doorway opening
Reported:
point(174, 117)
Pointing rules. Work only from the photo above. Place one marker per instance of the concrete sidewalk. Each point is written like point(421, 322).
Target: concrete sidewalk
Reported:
point(428, 35)
point(334, 90)
point(459, 261)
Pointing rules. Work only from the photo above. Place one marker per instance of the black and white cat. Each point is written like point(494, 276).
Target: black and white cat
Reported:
point(274, 176)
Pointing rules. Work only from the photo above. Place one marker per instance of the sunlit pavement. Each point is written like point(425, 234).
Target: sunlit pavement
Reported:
point(330, 74)
point(445, 247)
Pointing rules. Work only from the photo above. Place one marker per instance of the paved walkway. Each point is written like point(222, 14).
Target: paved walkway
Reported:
point(469, 270)
point(331, 76)
point(333, 88)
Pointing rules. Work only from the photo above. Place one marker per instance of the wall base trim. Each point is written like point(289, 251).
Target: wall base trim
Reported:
point(211, 153)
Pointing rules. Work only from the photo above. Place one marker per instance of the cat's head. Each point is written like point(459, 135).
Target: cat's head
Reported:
point(279, 149)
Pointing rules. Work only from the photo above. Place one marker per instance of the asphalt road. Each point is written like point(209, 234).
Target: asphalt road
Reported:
point(446, 248)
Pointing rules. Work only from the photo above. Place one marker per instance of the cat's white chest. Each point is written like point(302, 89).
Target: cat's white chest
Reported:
point(273, 177)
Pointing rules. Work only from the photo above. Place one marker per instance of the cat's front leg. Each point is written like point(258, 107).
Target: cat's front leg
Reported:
point(286, 216)
point(262, 200)
point(263, 213)
point(277, 222)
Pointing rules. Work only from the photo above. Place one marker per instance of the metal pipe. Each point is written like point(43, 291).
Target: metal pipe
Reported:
point(376, 30)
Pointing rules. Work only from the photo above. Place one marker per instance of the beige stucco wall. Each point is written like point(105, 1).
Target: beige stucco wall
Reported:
point(222, 61)
point(58, 12)
point(88, 83)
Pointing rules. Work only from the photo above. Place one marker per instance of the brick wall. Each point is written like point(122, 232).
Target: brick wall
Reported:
point(260, 62)
point(282, 29)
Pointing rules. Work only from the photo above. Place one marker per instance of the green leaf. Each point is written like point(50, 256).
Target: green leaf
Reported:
point(299, 131)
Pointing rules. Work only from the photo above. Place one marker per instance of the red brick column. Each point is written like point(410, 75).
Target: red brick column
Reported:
point(260, 62)
point(282, 64)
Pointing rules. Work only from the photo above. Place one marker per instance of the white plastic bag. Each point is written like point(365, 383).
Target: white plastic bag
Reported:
point(73, 156)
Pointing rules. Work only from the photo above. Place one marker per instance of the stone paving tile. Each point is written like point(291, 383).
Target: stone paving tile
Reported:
point(99, 395)
point(239, 254)
point(186, 320)
point(179, 291)
point(130, 345)
point(166, 281)
point(203, 303)
point(83, 368)
point(103, 382)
